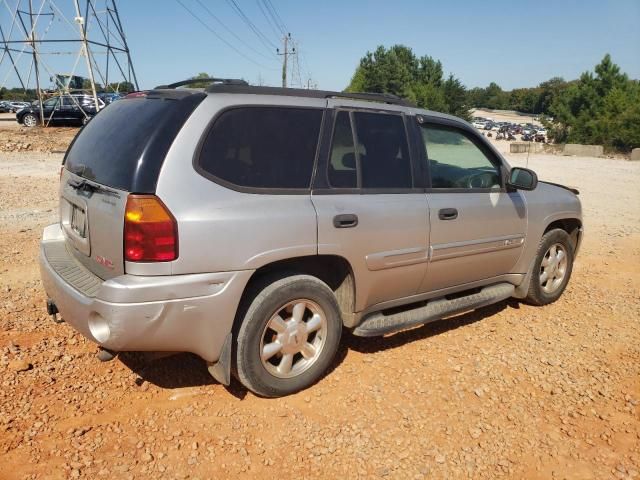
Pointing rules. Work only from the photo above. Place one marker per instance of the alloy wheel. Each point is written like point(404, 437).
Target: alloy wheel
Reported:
point(293, 338)
point(553, 268)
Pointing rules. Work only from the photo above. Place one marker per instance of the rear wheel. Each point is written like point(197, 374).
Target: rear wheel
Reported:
point(30, 120)
point(552, 268)
point(288, 337)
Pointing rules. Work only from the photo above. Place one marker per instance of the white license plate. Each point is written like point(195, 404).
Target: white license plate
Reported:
point(78, 221)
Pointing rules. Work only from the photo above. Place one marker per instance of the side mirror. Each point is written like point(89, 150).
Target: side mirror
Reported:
point(522, 179)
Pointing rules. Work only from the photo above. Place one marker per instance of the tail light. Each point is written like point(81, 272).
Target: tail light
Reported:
point(150, 231)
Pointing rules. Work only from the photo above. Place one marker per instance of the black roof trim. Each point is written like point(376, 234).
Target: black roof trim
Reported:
point(171, 93)
point(301, 92)
point(190, 81)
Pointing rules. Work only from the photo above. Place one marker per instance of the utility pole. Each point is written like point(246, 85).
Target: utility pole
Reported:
point(285, 54)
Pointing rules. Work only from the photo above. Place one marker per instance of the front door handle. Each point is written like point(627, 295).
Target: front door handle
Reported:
point(447, 214)
point(345, 220)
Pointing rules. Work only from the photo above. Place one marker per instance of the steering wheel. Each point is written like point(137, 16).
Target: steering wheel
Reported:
point(481, 180)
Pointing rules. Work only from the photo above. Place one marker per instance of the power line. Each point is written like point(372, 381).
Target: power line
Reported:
point(272, 25)
point(276, 16)
point(261, 36)
point(235, 35)
point(222, 39)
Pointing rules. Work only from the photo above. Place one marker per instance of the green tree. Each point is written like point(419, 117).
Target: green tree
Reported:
point(398, 71)
point(200, 84)
point(602, 107)
point(121, 87)
point(549, 90)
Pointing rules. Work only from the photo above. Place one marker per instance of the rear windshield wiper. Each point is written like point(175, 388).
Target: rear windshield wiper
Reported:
point(84, 186)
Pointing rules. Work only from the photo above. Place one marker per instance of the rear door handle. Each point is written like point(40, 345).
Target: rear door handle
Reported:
point(345, 220)
point(447, 214)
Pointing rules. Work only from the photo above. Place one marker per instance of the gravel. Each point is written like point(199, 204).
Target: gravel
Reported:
point(509, 391)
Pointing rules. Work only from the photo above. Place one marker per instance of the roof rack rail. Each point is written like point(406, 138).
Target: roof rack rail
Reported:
point(301, 92)
point(373, 97)
point(223, 81)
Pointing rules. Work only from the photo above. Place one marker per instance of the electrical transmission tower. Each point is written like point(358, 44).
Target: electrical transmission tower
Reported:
point(64, 46)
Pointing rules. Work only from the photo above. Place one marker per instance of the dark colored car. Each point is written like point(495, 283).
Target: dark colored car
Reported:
point(75, 109)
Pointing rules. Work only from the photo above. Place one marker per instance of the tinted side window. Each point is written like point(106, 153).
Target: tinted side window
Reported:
point(383, 151)
point(456, 162)
point(342, 171)
point(52, 102)
point(263, 147)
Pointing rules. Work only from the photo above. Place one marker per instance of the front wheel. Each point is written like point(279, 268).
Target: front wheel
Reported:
point(552, 268)
point(30, 120)
point(288, 336)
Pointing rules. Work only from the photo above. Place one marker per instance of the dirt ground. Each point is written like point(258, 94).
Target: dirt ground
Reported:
point(508, 391)
point(16, 138)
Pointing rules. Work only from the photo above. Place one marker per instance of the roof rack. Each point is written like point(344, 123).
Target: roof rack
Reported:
point(190, 81)
point(373, 97)
point(301, 92)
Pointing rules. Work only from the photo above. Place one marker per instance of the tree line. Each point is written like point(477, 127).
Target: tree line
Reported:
point(601, 107)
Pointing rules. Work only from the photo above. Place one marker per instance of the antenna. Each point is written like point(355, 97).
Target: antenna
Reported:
point(70, 45)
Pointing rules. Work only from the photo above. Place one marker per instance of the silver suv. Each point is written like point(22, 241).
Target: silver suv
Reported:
point(250, 225)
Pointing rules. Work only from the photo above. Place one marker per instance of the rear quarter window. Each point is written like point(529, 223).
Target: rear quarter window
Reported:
point(262, 147)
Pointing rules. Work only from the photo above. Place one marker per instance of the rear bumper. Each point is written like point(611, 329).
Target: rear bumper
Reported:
point(180, 313)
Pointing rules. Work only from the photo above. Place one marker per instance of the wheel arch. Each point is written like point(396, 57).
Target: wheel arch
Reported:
point(333, 270)
point(571, 225)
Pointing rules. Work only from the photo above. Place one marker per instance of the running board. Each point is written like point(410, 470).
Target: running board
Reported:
point(380, 324)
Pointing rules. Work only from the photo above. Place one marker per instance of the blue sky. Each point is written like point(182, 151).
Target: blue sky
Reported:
point(516, 44)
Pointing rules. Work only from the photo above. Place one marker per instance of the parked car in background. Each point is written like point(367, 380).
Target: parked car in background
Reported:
point(110, 97)
point(17, 106)
point(243, 224)
point(5, 107)
point(75, 109)
point(141, 93)
point(527, 137)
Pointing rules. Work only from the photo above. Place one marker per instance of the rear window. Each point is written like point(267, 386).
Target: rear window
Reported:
point(124, 145)
point(262, 147)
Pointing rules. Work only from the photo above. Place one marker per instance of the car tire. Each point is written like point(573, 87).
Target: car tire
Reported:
point(30, 120)
point(289, 335)
point(551, 269)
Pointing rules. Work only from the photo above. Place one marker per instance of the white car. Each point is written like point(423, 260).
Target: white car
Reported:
point(15, 106)
point(479, 125)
